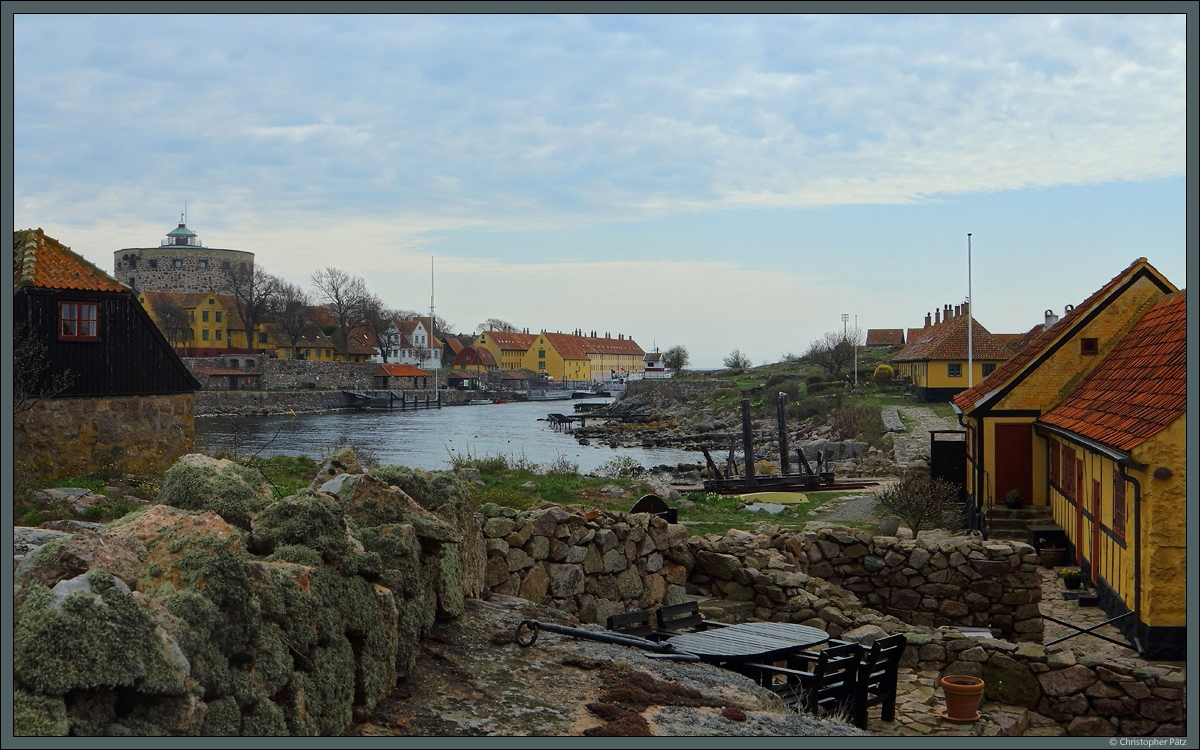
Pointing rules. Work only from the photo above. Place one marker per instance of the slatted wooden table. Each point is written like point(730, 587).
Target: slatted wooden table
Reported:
point(748, 641)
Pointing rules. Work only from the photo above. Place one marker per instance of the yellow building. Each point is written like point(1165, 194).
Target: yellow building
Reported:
point(936, 360)
point(508, 348)
point(558, 356)
point(1117, 476)
point(1081, 419)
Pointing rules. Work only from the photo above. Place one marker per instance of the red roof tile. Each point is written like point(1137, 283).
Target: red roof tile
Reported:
point(510, 340)
point(885, 337)
point(1036, 343)
point(44, 262)
point(948, 340)
point(1139, 388)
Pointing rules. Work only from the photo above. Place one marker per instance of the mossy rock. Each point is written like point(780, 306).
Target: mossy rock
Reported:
point(37, 715)
point(199, 482)
point(314, 521)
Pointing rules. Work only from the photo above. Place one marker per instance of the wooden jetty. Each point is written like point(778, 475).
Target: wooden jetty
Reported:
point(391, 400)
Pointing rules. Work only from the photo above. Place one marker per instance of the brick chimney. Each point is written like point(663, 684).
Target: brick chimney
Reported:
point(928, 320)
point(937, 317)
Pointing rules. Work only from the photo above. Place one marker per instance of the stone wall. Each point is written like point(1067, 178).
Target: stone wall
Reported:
point(77, 436)
point(956, 582)
point(135, 264)
point(211, 403)
point(591, 565)
point(673, 389)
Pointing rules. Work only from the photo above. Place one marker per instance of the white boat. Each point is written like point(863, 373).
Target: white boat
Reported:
point(544, 395)
point(479, 401)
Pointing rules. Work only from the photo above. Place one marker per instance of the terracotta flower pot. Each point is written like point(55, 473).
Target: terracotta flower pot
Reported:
point(963, 695)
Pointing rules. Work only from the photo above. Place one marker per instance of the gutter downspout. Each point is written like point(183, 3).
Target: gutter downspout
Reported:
point(1137, 550)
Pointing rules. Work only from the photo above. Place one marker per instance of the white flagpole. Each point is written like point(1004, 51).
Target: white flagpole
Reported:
point(970, 319)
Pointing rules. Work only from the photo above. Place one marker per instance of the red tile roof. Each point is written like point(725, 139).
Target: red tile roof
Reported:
point(567, 345)
point(474, 356)
point(605, 345)
point(44, 262)
point(1036, 343)
point(948, 340)
point(510, 340)
point(885, 337)
point(400, 371)
point(1139, 388)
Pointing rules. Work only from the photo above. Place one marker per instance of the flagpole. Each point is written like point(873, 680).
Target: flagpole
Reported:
point(970, 319)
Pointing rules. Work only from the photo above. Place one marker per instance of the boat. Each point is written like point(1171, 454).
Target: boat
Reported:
point(499, 401)
point(584, 394)
point(545, 395)
point(480, 401)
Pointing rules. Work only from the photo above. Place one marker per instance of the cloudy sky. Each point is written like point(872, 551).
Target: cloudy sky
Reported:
point(718, 182)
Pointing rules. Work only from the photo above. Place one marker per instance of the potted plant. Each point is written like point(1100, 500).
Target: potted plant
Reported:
point(1071, 577)
point(1051, 555)
point(1013, 499)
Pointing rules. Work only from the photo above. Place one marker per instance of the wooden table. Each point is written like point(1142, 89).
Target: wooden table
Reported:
point(748, 641)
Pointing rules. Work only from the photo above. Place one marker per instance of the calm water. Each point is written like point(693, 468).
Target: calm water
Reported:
point(424, 439)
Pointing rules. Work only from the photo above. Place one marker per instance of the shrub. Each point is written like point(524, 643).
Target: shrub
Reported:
point(619, 467)
point(922, 501)
point(561, 467)
point(858, 421)
point(883, 374)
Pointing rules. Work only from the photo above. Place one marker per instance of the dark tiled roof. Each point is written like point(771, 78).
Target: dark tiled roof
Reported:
point(1139, 388)
point(948, 340)
point(1036, 343)
point(44, 262)
point(885, 337)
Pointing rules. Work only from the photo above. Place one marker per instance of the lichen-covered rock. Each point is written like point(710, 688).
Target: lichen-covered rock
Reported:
point(199, 482)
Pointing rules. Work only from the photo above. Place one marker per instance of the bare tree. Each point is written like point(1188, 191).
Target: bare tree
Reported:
point(32, 379)
point(495, 324)
point(173, 320)
point(833, 351)
point(922, 501)
point(252, 289)
point(676, 358)
point(344, 297)
point(735, 360)
point(290, 311)
point(379, 321)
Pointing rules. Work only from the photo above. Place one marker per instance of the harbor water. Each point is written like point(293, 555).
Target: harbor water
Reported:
point(424, 439)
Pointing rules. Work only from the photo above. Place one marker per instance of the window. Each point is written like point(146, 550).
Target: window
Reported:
point(1118, 519)
point(204, 334)
point(192, 315)
point(327, 353)
point(154, 262)
point(202, 263)
point(77, 321)
point(218, 335)
point(307, 353)
point(262, 338)
point(541, 354)
point(177, 263)
point(542, 366)
point(218, 316)
point(1089, 346)
point(988, 368)
point(954, 370)
point(204, 315)
point(1068, 471)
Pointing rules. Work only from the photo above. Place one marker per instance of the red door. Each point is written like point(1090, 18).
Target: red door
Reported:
point(1014, 461)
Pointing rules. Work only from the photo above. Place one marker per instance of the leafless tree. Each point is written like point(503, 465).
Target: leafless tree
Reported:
point(495, 324)
point(735, 360)
point(290, 310)
point(833, 351)
point(379, 320)
point(174, 322)
point(922, 501)
point(344, 296)
point(253, 290)
point(32, 378)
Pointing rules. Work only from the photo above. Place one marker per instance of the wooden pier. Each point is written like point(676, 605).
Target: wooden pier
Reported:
point(391, 400)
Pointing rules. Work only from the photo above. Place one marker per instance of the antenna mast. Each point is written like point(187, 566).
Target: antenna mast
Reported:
point(432, 327)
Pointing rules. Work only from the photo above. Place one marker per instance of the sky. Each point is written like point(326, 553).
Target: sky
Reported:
point(716, 182)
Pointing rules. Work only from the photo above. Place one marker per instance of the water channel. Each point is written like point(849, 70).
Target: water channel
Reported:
point(424, 439)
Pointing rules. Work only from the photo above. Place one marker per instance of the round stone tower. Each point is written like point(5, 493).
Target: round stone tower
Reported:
point(180, 263)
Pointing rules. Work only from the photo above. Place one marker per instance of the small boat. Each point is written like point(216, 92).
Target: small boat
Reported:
point(544, 395)
point(481, 401)
point(499, 401)
point(584, 394)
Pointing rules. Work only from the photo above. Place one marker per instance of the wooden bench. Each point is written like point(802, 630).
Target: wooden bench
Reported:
point(685, 617)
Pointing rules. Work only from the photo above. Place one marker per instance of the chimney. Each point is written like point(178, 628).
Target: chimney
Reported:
point(928, 320)
point(966, 309)
point(937, 317)
point(957, 311)
point(946, 314)
point(1051, 319)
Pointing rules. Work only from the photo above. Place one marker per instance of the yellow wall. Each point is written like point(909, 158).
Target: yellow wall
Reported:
point(543, 357)
point(508, 359)
point(1162, 509)
point(602, 365)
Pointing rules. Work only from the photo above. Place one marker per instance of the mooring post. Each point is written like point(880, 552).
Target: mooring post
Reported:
point(747, 442)
point(781, 417)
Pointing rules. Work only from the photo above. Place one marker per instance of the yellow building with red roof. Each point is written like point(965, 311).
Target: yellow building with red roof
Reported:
point(1088, 417)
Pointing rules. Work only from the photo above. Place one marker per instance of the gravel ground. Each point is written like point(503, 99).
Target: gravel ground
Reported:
point(473, 680)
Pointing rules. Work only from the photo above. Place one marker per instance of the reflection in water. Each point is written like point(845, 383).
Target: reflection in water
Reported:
point(423, 439)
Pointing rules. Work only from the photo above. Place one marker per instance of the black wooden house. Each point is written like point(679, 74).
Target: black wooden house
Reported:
point(91, 325)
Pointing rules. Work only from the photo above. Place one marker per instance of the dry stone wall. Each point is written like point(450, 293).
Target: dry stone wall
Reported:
point(78, 436)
